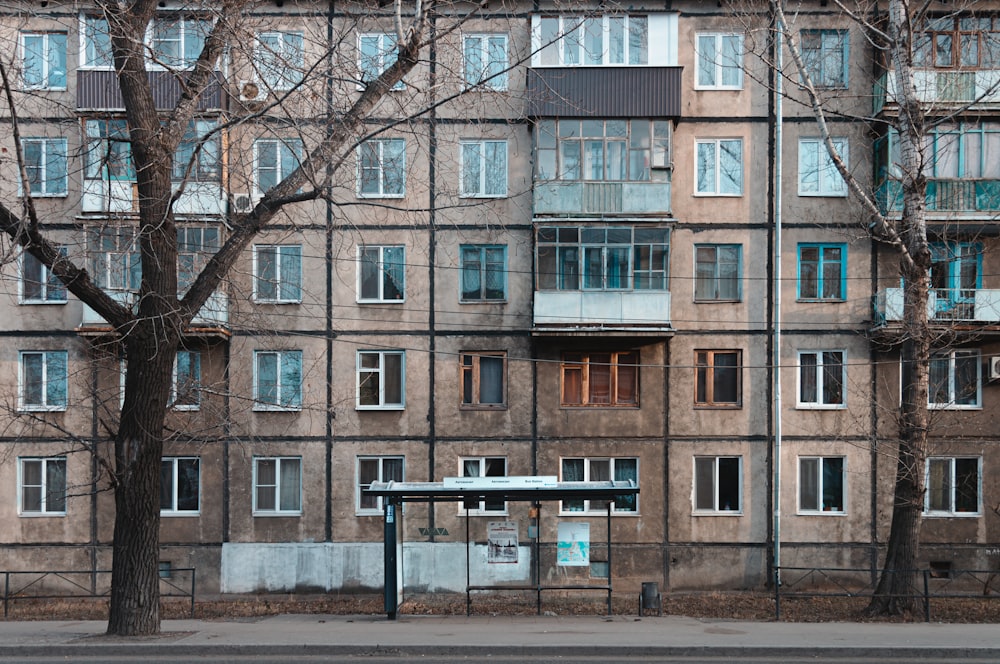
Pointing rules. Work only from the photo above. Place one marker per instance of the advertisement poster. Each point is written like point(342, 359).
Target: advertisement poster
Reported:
point(573, 549)
point(501, 542)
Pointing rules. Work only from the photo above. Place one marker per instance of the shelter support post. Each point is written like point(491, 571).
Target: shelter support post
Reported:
point(389, 543)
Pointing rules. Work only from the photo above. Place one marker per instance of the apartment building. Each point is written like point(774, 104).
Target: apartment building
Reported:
point(564, 266)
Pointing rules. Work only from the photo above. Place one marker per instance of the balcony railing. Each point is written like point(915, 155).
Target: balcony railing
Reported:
point(214, 313)
point(980, 306)
point(602, 197)
point(608, 308)
point(980, 87)
point(966, 195)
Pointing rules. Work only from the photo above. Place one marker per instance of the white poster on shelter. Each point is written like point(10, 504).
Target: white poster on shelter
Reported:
point(573, 549)
point(501, 542)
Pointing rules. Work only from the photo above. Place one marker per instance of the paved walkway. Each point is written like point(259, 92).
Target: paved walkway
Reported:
point(483, 635)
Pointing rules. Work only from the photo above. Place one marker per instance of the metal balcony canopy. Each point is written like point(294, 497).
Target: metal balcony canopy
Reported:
point(528, 487)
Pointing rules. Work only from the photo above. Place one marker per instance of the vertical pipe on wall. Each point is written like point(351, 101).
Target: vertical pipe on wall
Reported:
point(776, 372)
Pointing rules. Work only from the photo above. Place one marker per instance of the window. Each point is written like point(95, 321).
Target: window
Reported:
point(114, 258)
point(42, 486)
point(376, 469)
point(277, 486)
point(720, 62)
point(957, 41)
point(600, 470)
point(567, 41)
point(277, 380)
point(720, 167)
point(717, 272)
point(953, 486)
point(821, 484)
point(822, 374)
point(600, 379)
point(274, 160)
point(602, 257)
point(43, 380)
point(96, 38)
point(377, 52)
point(485, 61)
point(177, 42)
point(382, 168)
point(38, 284)
point(185, 391)
point(956, 275)
point(484, 467)
point(718, 379)
point(45, 164)
point(484, 272)
point(44, 60)
point(381, 380)
point(198, 154)
point(180, 485)
point(484, 169)
point(718, 484)
point(195, 247)
point(280, 59)
point(955, 379)
point(824, 54)
point(484, 379)
point(381, 273)
point(822, 271)
point(601, 150)
point(277, 270)
point(108, 154)
point(818, 176)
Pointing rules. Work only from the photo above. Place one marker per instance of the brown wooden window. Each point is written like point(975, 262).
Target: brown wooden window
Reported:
point(717, 378)
point(600, 379)
point(484, 380)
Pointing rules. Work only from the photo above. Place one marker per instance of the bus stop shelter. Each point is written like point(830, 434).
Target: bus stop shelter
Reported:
point(533, 489)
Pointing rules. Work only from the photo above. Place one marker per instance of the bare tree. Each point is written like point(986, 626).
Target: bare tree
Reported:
point(150, 331)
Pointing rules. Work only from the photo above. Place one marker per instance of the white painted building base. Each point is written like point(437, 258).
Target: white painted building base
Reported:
point(351, 567)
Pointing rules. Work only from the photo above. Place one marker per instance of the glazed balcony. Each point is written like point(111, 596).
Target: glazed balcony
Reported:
point(980, 88)
point(211, 320)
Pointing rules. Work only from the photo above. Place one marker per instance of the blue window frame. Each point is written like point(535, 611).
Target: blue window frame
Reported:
point(956, 274)
point(822, 272)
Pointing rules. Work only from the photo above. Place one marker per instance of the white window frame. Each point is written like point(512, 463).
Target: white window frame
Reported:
point(383, 274)
point(174, 499)
point(821, 510)
point(52, 289)
point(46, 59)
point(52, 149)
point(380, 167)
point(829, 182)
point(186, 30)
point(717, 509)
point(280, 355)
point(719, 67)
point(951, 356)
point(485, 268)
point(570, 37)
point(387, 55)
point(589, 506)
point(22, 378)
point(717, 167)
point(43, 487)
point(280, 69)
point(952, 486)
point(484, 167)
point(483, 78)
point(194, 389)
point(481, 509)
point(380, 371)
point(295, 150)
point(283, 279)
point(359, 487)
point(90, 24)
point(277, 511)
point(819, 403)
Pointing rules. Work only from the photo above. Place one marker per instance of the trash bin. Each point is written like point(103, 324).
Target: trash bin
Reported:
point(649, 598)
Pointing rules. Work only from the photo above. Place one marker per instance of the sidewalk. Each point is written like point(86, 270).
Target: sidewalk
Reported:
point(482, 635)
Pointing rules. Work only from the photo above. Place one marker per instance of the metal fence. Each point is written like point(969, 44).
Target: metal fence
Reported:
point(807, 582)
point(88, 584)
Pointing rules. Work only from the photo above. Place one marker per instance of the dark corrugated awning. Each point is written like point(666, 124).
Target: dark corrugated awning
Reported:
point(605, 92)
point(514, 490)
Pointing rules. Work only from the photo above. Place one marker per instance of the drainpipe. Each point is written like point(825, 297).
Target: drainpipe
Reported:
point(776, 373)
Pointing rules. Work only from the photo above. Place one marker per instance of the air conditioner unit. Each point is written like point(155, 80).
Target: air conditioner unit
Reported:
point(994, 367)
point(241, 203)
point(252, 91)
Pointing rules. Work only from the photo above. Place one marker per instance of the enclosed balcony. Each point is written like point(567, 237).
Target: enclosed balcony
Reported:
point(582, 310)
point(971, 197)
point(973, 306)
point(211, 320)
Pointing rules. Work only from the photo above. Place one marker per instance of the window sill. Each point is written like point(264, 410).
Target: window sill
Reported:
point(718, 88)
point(952, 406)
point(821, 513)
point(830, 300)
point(822, 194)
point(276, 409)
point(598, 513)
point(471, 513)
point(714, 513)
point(43, 88)
point(718, 406)
point(483, 196)
point(180, 514)
point(262, 301)
point(952, 515)
point(498, 300)
point(377, 408)
point(38, 195)
point(33, 302)
point(186, 409)
point(719, 301)
point(400, 301)
point(38, 515)
point(708, 194)
point(41, 409)
point(268, 515)
point(382, 196)
point(820, 406)
point(599, 406)
point(482, 407)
